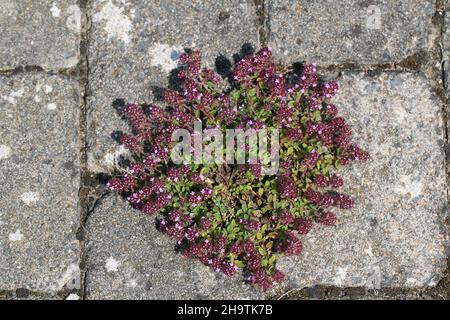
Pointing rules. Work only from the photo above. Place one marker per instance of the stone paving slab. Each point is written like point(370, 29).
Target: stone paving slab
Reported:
point(366, 32)
point(396, 234)
point(129, 259)
point(43, 33)
point(446, 51)
point(135, 44)
point(39, 174)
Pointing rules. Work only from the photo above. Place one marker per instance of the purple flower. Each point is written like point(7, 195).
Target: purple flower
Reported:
point(287, 187)
point(292, 245)
point(131, 143)
point(336, 181)
point(313, 196)
point(321, 181)
point(311, 159)
point(121, 184)
point(303, 225)
point(286, 218)
point(327, 218)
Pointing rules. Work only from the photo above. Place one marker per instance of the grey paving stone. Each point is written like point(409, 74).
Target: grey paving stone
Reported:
point(129, 259)
point(135, 44)
point(446, 50)
point(39, 174)
point(396, 234)
point(42, 33)
point(332, 32)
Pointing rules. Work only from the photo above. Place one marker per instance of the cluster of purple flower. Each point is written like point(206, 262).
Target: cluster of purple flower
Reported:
point(354, 153)
point(256, 273)
point(131, 143)
point(286, 218)
point(295, 134)
point(329, 199)
point(175, 173)
point(287, 187)
point(139, 121)
point(227, 115)
point(285, 115)
point(157, 203)
point(193, 202)
point(311, 159)
point(197, 197)
point(303, 225)
point(278, 86)
point(122, 184)
point(261, 64)
point(291, 245)
point(334, 181)
point(327, 218)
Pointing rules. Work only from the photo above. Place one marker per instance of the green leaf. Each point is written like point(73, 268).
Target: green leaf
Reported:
point(239, 263)
point(264, 262)
point(235, 95)
point(262, 251)
point(263, 228)
point(272, 259)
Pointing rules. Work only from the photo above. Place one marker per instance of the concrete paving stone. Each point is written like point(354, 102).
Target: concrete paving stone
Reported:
point(395, 236)
point(129, 259)
point(135, 44)
point(364, 31)
point(43, 33)
point(39, 174)
point(446, 50)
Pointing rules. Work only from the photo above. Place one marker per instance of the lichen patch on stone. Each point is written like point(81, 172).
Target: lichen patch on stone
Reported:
point(111, 264)
point(164, 56)
point(110, 159)
point(117, 24)
point(71, 273)
point(48, 89)
point(340, 276)
point(12, 98)
point(5, 152)
point(29, 198)
point(55, 10)
point(51, 106)
point(16, 236)
point(73, 296)
point(73, 21)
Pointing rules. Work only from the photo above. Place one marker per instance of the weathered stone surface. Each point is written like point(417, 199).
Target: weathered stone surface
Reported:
point(129, 259)
point(43, 33)
point(135, 44)
point(331, 32)
point(446, 50)
point(39, 174)
point(396, 234)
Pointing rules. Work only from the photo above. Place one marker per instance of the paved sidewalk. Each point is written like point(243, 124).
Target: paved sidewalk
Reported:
point(65, 65)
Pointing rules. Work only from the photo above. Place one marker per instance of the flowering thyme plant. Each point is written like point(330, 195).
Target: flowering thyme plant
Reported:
point(232, 216)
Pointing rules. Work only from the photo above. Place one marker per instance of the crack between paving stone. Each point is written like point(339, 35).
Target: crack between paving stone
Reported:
point(85, 188)
point(440, 16)
point(69, 73)
point(22, 293)
point(263, 22)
